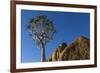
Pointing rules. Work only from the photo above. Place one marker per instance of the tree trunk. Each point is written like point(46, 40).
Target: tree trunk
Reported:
point(43, 53)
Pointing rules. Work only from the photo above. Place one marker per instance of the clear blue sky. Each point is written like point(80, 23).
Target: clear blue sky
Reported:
point(69, 26)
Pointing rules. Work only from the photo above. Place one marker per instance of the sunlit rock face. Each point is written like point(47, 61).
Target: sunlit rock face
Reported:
point(77, 50)
point(56, 54)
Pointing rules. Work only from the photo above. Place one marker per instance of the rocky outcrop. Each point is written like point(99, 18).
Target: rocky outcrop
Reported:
point(78, 50)
point(56, 54)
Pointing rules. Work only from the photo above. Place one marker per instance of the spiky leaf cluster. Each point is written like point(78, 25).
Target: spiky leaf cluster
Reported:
point(41, 29)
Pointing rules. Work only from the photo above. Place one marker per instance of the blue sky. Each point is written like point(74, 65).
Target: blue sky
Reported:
point(69, 26)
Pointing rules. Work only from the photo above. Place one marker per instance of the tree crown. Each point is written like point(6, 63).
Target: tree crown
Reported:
point(41, 29)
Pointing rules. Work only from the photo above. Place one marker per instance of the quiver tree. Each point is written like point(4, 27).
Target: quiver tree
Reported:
point(42, 31)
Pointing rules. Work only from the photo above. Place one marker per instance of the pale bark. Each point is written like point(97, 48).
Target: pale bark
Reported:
point(43, 59)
